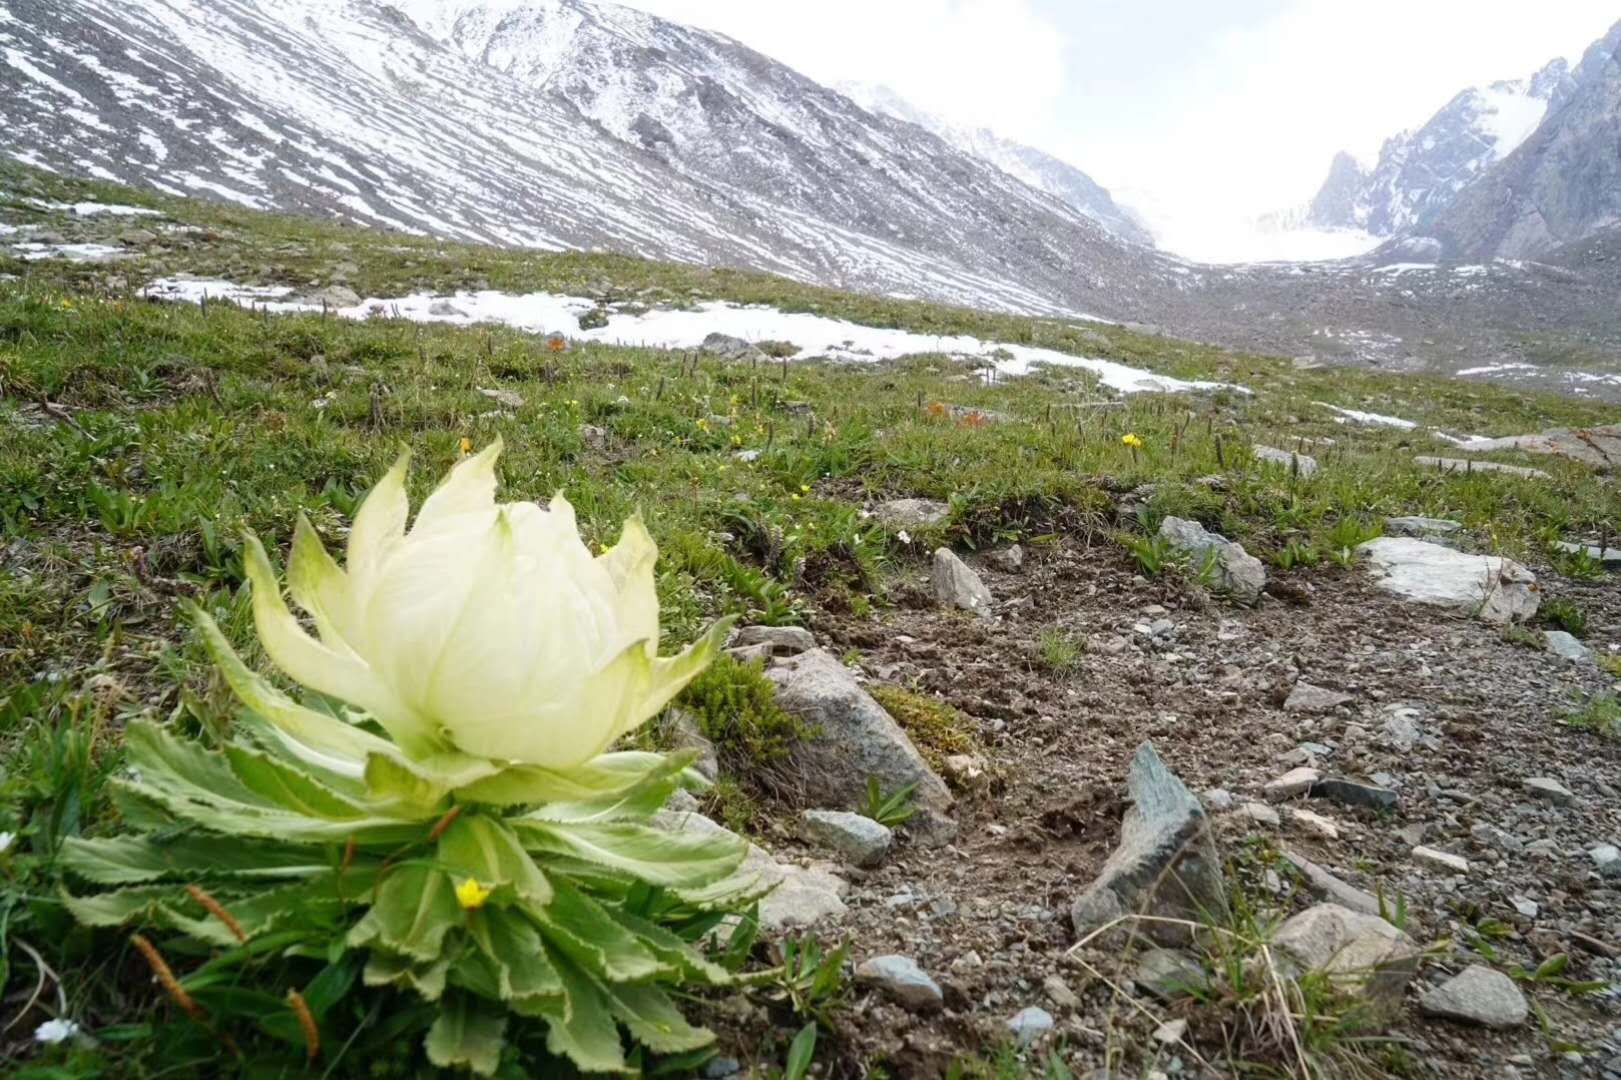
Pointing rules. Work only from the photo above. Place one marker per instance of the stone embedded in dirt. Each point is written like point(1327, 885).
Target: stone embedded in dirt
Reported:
point(1305, 466)
point(1306, 698)
point(1361, 953)
point(1166, 864)
point(965, 770)
point(1292, 783)
point(1218, 799)
point(1401, 728)
point(1607, 860)
point(1060, 993)
point(911, 513)
point(511, 399)
point(859, 839)
point(1607, 555)
point(856, 740)
point(1237, 571)
point(1261, 814)
point(333, 296)
point(1421, 528)
point(955, 583)
point(1599, 447)
point(804, 898)
point(1029, 1025)
point(1490, 588)
point(1451, 465)
point(1478, 995)
point(1323, 883)
point(901, 979)
point(751, 654)
point(1553, 791)
point(1009, 560)
point(780, 640)
point(1566, 646)
point(731, 348)
point(1316, 824)
point(1168, 974)
point(593, 436)
point(1488, 835)
point(1443, 860)
point(1171, 1032)
point(1354, 793)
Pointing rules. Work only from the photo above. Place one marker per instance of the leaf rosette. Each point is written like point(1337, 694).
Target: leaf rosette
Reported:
point(446, 801)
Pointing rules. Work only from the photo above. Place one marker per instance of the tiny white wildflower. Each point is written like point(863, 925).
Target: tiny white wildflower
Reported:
point(52, 1032)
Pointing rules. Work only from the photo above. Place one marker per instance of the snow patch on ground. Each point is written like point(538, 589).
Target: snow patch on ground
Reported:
point(95, 209)
point(1368, 419)
point(71, 252)
point(814, 335)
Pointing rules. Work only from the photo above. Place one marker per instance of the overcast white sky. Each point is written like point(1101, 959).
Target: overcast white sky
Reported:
point(1200, 113)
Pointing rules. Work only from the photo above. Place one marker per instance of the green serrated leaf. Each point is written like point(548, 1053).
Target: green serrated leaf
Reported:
point(585, 1032)
point(657, 856)
point(590, 937)
point(468, 1034)
point(671, 949)
point(415, 908)
point(396, 786)
point(484, 848)
point(652, 1018)
point(512, 944)
point(122, 860)
point(391, 969)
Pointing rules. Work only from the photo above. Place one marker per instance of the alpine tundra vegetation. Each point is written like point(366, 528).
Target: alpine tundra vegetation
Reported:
point(1238, 739)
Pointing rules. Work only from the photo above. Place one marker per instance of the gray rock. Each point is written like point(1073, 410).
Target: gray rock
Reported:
point(1029, 1025)
point(803, 898)
point(508, 398)
point(1607, 555)
point(1599, 447)
point(334, 296)
point(445, 309)
point(955, 583)
point(1566, 646)
point(1271, 455)
point(732, 348)
point(593, 436)
point(1553, 791)
point(683, 734)
point(1478, 995)
point(1293, 783)
point(1354, 793)
point(1323, 883)
point(1009, 560)
point(1261, 814)
point(1607, 860)
point(1441, 860)
point(1359, 953)
point(1490, 588)
point(861, 840)
point(1168, 974)
point(780, 640)
point(911, 513)
point(856, 740)
point(1422, 528)
point(1306, 698)
point(1316, 824)
point(1450, 465)
point(1401, 728)
point(1166, 864)
point(1237, 571)
point(1059, 993)
point(1218, 799)
point(901, 979)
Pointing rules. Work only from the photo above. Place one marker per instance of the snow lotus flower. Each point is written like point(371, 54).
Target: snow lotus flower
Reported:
point(487, 630)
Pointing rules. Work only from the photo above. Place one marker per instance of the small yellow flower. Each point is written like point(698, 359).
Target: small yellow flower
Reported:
point(1132, 440)
point(466, 446)
point(796, 496)
point(805, 488)
point(471, 895)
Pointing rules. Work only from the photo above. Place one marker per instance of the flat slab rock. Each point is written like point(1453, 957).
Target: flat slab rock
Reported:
point(1306, 698)
point(1271, 455)
point(1463, 465)
point(1421, 527)
point(857, 739)
point(1599, 447)
point(911, 513)
point(1493, 589)
point(859, 839)
point(1166, 863)
point(1363, 953)
point(1478, 995)
point(900, 978)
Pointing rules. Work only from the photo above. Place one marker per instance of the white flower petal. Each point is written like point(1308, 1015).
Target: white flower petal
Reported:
point(469, 489)
point(380, 522)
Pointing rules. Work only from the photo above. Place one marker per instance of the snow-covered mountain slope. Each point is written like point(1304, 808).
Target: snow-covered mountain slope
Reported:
point(1035, 167)
point(1559, 187)
point(556, 123)
point(1420, 172)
